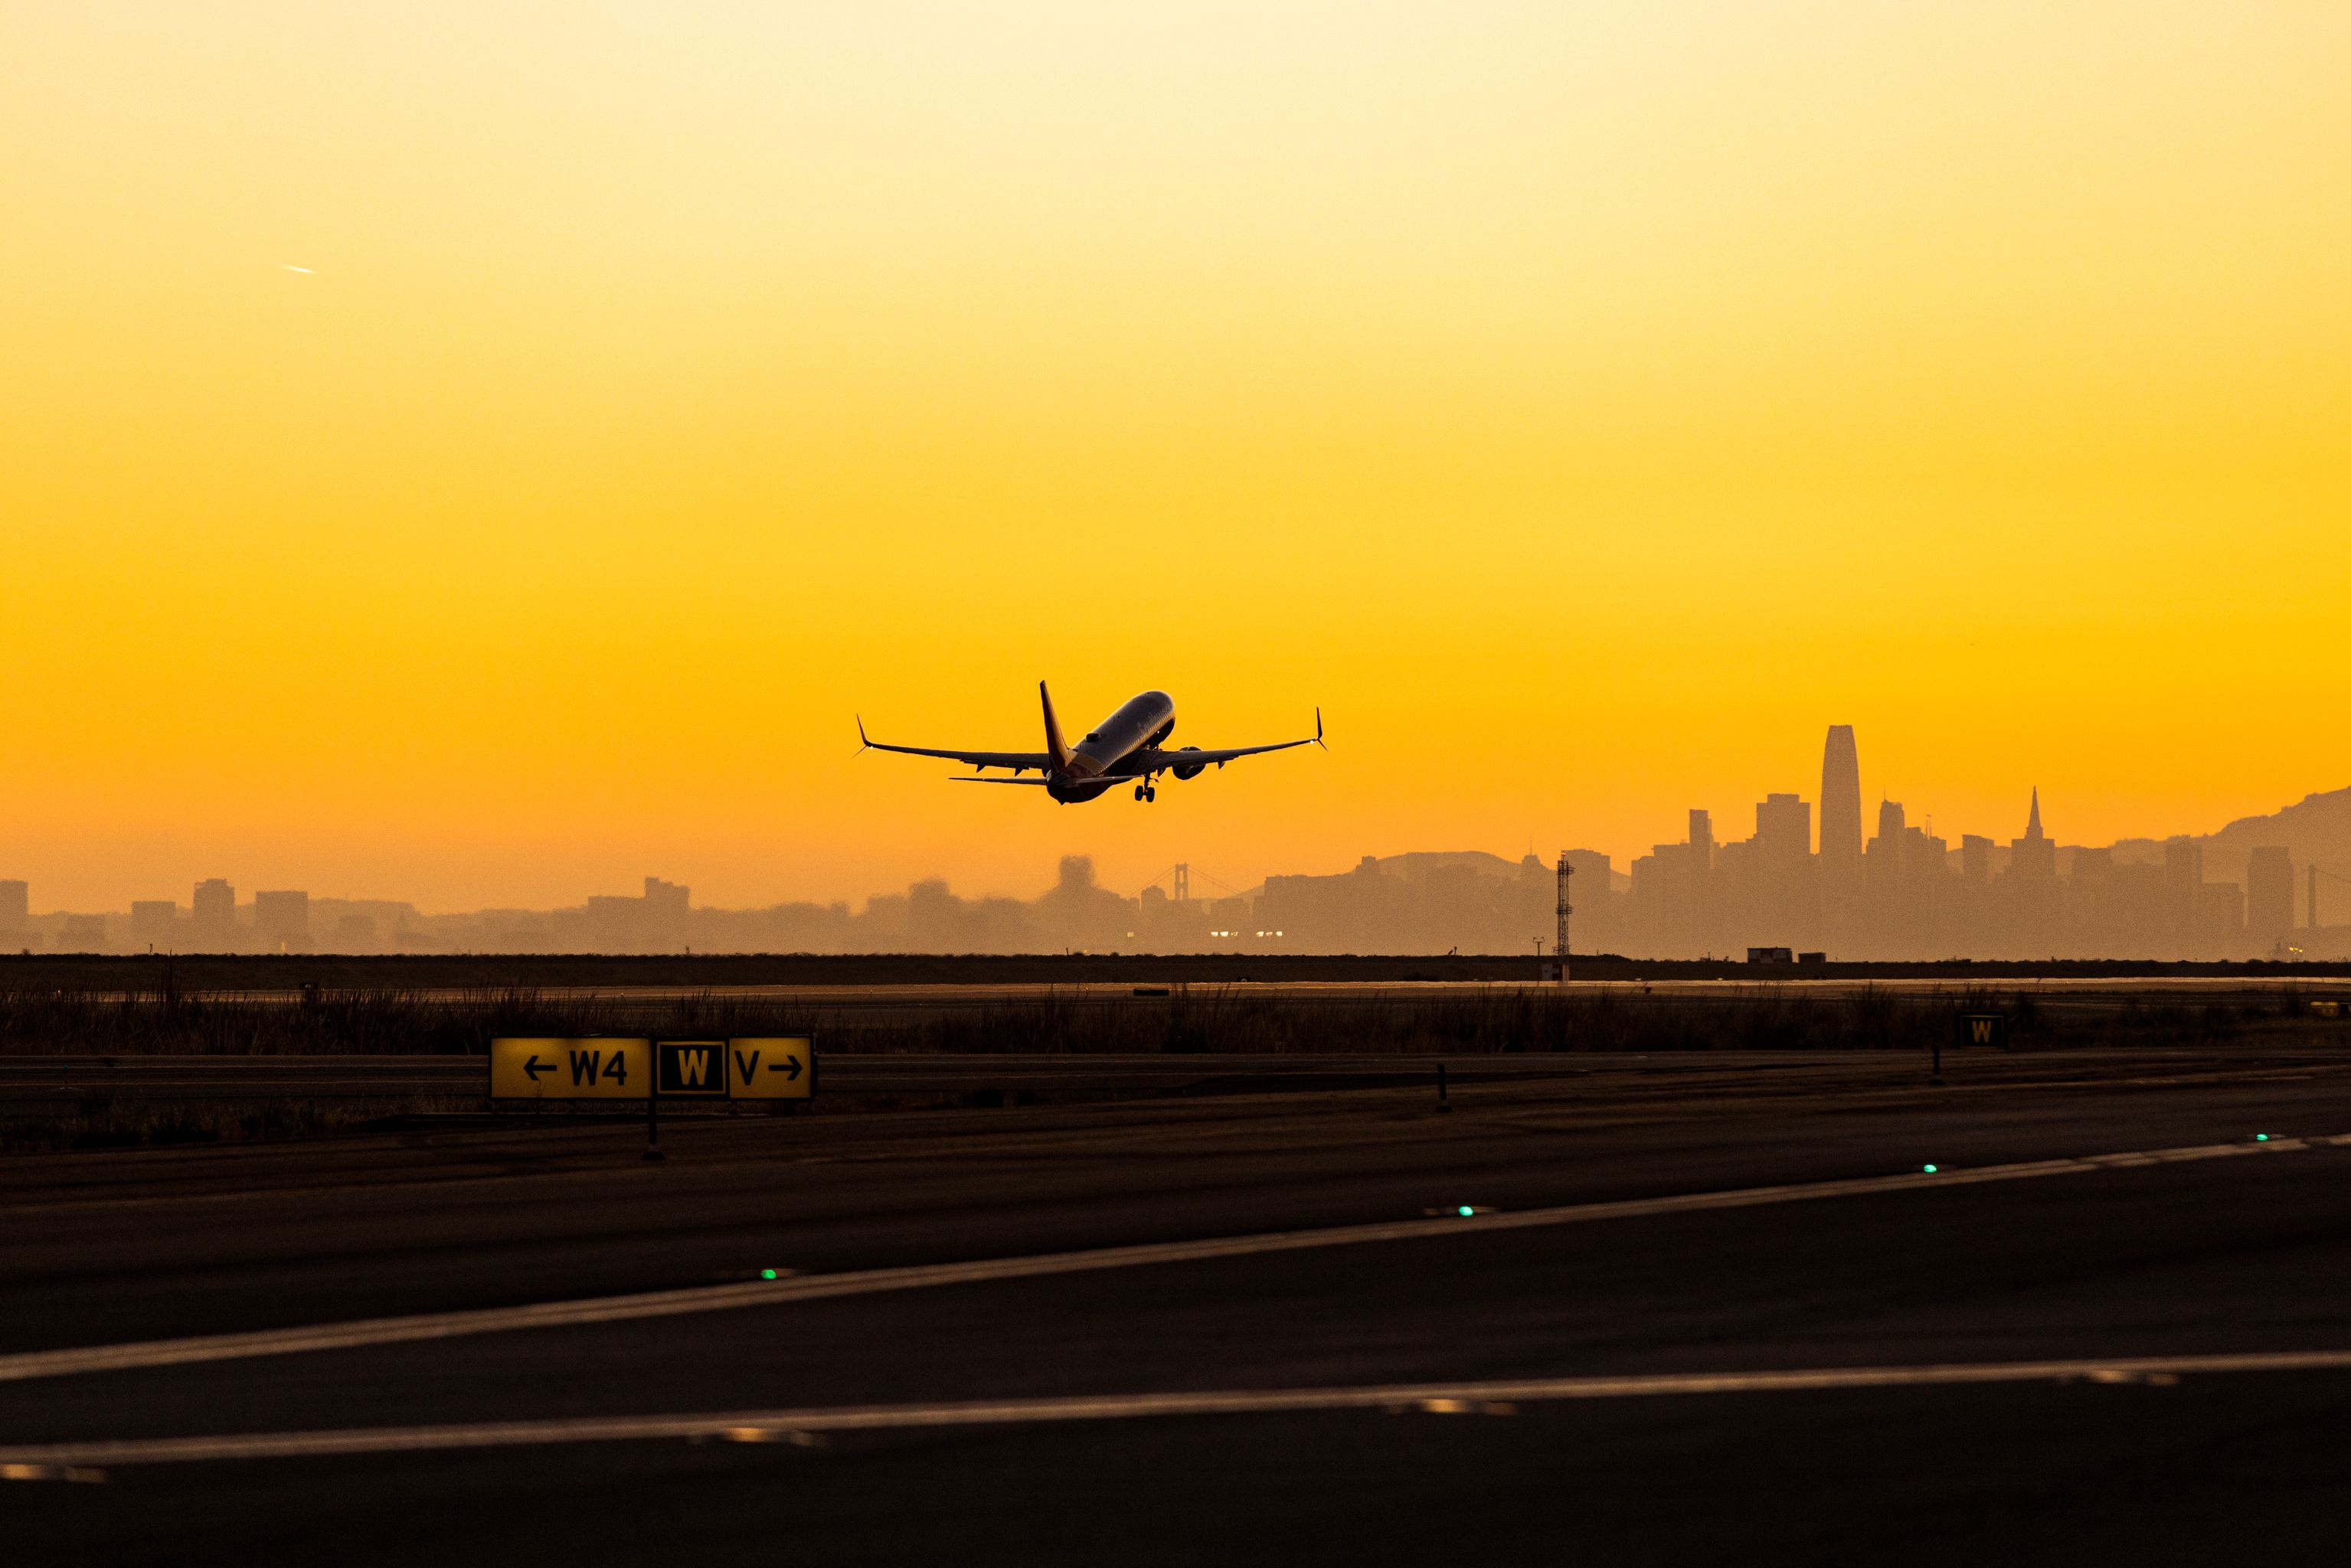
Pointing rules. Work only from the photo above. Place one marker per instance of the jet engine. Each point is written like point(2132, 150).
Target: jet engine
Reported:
point(1194, 770)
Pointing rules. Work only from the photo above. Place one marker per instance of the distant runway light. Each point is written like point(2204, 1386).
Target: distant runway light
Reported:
point(2261, 1138)
point(767, 1273)
point(1464, 1211)
point(1929, 1169)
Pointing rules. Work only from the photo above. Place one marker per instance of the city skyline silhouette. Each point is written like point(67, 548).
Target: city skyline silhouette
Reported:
point(2254, 888)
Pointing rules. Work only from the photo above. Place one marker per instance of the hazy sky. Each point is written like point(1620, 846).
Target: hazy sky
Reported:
point(1586, 405)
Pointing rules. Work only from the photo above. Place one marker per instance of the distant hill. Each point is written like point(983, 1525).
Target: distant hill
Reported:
point(2315, 828)
point(1418, 864)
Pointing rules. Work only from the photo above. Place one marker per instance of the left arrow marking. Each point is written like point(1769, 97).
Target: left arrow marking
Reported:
point(534, 1067)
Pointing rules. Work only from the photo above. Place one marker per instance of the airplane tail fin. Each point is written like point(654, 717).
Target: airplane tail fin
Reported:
point(1053, 746)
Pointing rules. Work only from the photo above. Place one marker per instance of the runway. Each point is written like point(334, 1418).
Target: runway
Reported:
point(1687, 1315)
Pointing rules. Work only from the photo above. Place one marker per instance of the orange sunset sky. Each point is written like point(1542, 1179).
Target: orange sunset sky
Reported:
point(1584, 404)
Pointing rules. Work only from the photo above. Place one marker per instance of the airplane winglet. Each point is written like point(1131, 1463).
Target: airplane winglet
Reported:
point(862, 743)
point(1318, 727)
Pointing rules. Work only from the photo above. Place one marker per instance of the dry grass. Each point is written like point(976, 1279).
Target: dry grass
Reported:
point(165, 1021)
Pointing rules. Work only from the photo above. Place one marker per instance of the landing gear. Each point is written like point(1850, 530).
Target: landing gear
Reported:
point(1145, 792)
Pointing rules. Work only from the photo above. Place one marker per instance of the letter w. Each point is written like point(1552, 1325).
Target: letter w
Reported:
point(1982, 1028)
point(583, 1067)
point(693, 1066)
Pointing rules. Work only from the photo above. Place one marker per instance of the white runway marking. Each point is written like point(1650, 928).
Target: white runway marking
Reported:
point(1494, 1396)
point(367, 1332)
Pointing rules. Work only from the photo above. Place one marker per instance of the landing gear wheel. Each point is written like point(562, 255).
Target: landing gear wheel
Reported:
point(1149, 793)
point(1138, 791)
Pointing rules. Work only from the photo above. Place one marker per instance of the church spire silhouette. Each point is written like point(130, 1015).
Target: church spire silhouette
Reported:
point(2032, 823)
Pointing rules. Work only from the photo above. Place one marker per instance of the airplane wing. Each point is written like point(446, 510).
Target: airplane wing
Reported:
point(1036, 759)
point(1155, 760)
point(966, 778)
point(1160, 761)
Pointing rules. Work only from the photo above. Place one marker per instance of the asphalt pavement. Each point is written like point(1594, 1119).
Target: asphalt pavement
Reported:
point(1692, 1311)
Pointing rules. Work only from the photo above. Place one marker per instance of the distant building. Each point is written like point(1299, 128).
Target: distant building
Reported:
point(1975, 858)
point(2183, 896)
point(82, 934)
point(1883, 858)
point(16, 906)
point(1594, 928)
point(2034, 857)
point(152, 923)
point(282, 921)
point(1783, 830)
point(1840, 811)
point(356, 933)
point(2269, 894)
point(654, 921)
point(666, 902)
point(212, 916)
point(1782, 891)
point(2223, 910)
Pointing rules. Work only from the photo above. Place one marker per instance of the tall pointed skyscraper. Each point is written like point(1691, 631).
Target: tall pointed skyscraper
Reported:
point(1840, 825)
point(2032, 857)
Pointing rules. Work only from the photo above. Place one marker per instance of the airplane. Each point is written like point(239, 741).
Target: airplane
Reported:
point(1124, 749)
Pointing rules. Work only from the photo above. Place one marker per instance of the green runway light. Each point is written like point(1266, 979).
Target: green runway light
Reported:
point(1929, 1169)
point(1464, 1211)
point(2261, 1138)
point(767, 1273)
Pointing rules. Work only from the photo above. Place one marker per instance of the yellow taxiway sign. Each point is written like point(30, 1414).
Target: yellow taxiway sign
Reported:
point(571, 1069)
point(782, 1068)
point(770, 1068)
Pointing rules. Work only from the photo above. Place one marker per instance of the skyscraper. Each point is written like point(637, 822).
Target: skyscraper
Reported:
point(215, 911)
point(1840, 809)
point(1841, 860)
point(2183, 895)
point(1783, 830)
point(2269, 892)
point(2034, 857)
point(1975, 858)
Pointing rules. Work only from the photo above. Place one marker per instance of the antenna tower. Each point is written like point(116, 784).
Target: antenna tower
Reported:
point(1565, 871)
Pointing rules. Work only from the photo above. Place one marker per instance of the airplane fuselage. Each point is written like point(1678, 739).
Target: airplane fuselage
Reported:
point(1142, 722)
